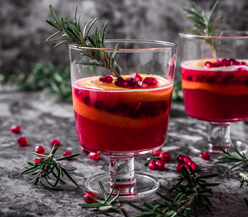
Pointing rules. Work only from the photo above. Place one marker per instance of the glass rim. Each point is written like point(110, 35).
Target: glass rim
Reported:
point(234, 36)
point(167, 45)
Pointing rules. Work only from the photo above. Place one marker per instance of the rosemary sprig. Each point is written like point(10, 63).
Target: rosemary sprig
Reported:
point(195, 191)
point(242, 162)
point(47, 167)
point(203, 26)
point(72, 34)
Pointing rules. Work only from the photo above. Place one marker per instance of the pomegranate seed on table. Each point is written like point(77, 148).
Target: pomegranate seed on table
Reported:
point(193, 165)
point(37, 160)
point(88, 199)
point(160, 165)
point(55, 141)
point(15, 129)
point(94, 156)
point(67, 153)
point(85, 150)
point(180, 158)
point(121, 82)
point(136, 76)
point(152, 165)
point(205, 155)
point(178, 167)
point(156, 153)
point(40, 150)
point(187, 160)
point(22, 141)
point(150, 81)
point(106, 79)
point(166, 157)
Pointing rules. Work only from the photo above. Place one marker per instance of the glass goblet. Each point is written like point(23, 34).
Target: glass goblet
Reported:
point(123, 121)
point(215, 85)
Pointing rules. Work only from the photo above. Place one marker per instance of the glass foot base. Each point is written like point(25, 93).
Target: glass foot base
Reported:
point(144, 186)
point(204, 146)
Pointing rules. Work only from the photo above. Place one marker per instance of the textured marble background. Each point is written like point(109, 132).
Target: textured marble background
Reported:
point(23, 24)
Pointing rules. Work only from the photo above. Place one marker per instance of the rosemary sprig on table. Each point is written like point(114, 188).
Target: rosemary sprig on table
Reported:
point(47, 167)
point(72, 34)
point(242, 162)
point(194, 192)
point(203, 26)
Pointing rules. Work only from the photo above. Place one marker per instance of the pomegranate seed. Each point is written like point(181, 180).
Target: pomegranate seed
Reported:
point(142, 84)
point(209, 65)
point(192, 165)
point(205, 155)
point(187, 160)
point(40, 150)
point(22, 141)
point(99, 104)
point(150, 81)
point(67, 153)
point(15, 129)
point(88, 199)
point(106, 79)
point(136, 76)
point(202, 77)
point(165, 157)
point(37, 160)
point(225, 62)
point(157, 153)
point(55, 141)
point(178, 167)
point(85, 150)
point(121, 82)
point(180, 158)
point(111, 107)
point(94, 156)
point(189, 77)
point(122, 107)
point(139, 111)
point(131, 82)
point(218, 63)
point(152, 165)
point(86, 100)
point(160, 165)
point(232, 62)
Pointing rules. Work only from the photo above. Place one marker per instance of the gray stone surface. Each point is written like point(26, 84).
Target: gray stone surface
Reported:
point(42, 119)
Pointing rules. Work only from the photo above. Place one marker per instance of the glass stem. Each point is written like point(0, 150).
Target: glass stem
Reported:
point(219, 134)
point(121, 169)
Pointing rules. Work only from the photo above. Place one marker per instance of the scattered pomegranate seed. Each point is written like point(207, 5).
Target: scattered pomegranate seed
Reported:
point(150, 81)
point(209, 65)
point(136, 76)
point(106, 79)
point(160, 165)
point(178, 167)
point(56, 141)
point(15, 129)
point(67, 153)
point(166, 157)
point(192, 165)
point(131, 82)
point(85, 150)
point(186, 166)
point(88, 199)
point(152, 165)
point(37, 160)
point(40, 150)
point(94, 156)
point(157, 153)
point(22, 141)
point(205, 155)
point(142, 84)
point(187, 160)
point(121, 82)
point(180, 158)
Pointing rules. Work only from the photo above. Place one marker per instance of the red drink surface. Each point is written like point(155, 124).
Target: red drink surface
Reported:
point(114, 119)
point(215, 94)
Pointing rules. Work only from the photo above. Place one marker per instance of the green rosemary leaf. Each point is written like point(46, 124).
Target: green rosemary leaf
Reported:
point(31, 168)
point(233, 167)
point(58, 176)
point(246, 201)
point(193, 12)
point(55, 16)
point(137, 207)
point(75, 13)
point(215, 24)
point(164, 197)
point(90, 26)
point(67, 157)
point(106, 207)
point(40, 155)
point(34, 180)
point(207, 176)
point(68, 175)
point(91, 205)
point(212, 11)
point(52, 24)
point(103, 190)
point(78, 26)
point(225, 161)
point(97, 200)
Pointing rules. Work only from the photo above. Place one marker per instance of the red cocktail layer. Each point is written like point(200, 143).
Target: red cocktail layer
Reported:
point(115, 119)
point(215, 94)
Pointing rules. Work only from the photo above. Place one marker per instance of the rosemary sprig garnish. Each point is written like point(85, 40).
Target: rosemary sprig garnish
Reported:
point(47, 167)
point(72, 34)
point(203, 26)
point(195, 191)
point(242, 162)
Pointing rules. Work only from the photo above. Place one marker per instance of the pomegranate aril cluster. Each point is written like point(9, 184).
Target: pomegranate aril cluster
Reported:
point(185, 161)
point(224, 62)
point(159, 164)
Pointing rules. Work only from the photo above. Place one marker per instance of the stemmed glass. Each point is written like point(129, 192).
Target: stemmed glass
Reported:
point(215, 90)
point(122, 122)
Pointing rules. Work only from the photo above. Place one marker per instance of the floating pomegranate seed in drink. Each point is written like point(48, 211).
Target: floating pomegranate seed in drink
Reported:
point(157, 153)
point(106, 79)
point(205, 156)
point(55, 141)
point(40, 150)
point(15, 129)
point(160, 165)
point(166, 157)
point(152, 165)
point(142, 84)
point(136, 76)
point(187, 160)
point(131, 82)
point(67, 153)
point(180, 158)
point(22, 141)
point(88, 199)
point(121, 82)
point(150, 81)
point(209, 65)
point(94, 156)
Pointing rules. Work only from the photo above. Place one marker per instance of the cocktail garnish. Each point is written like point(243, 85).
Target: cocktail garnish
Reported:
point(72, 34)
point(46, 166)
point(203, 26)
